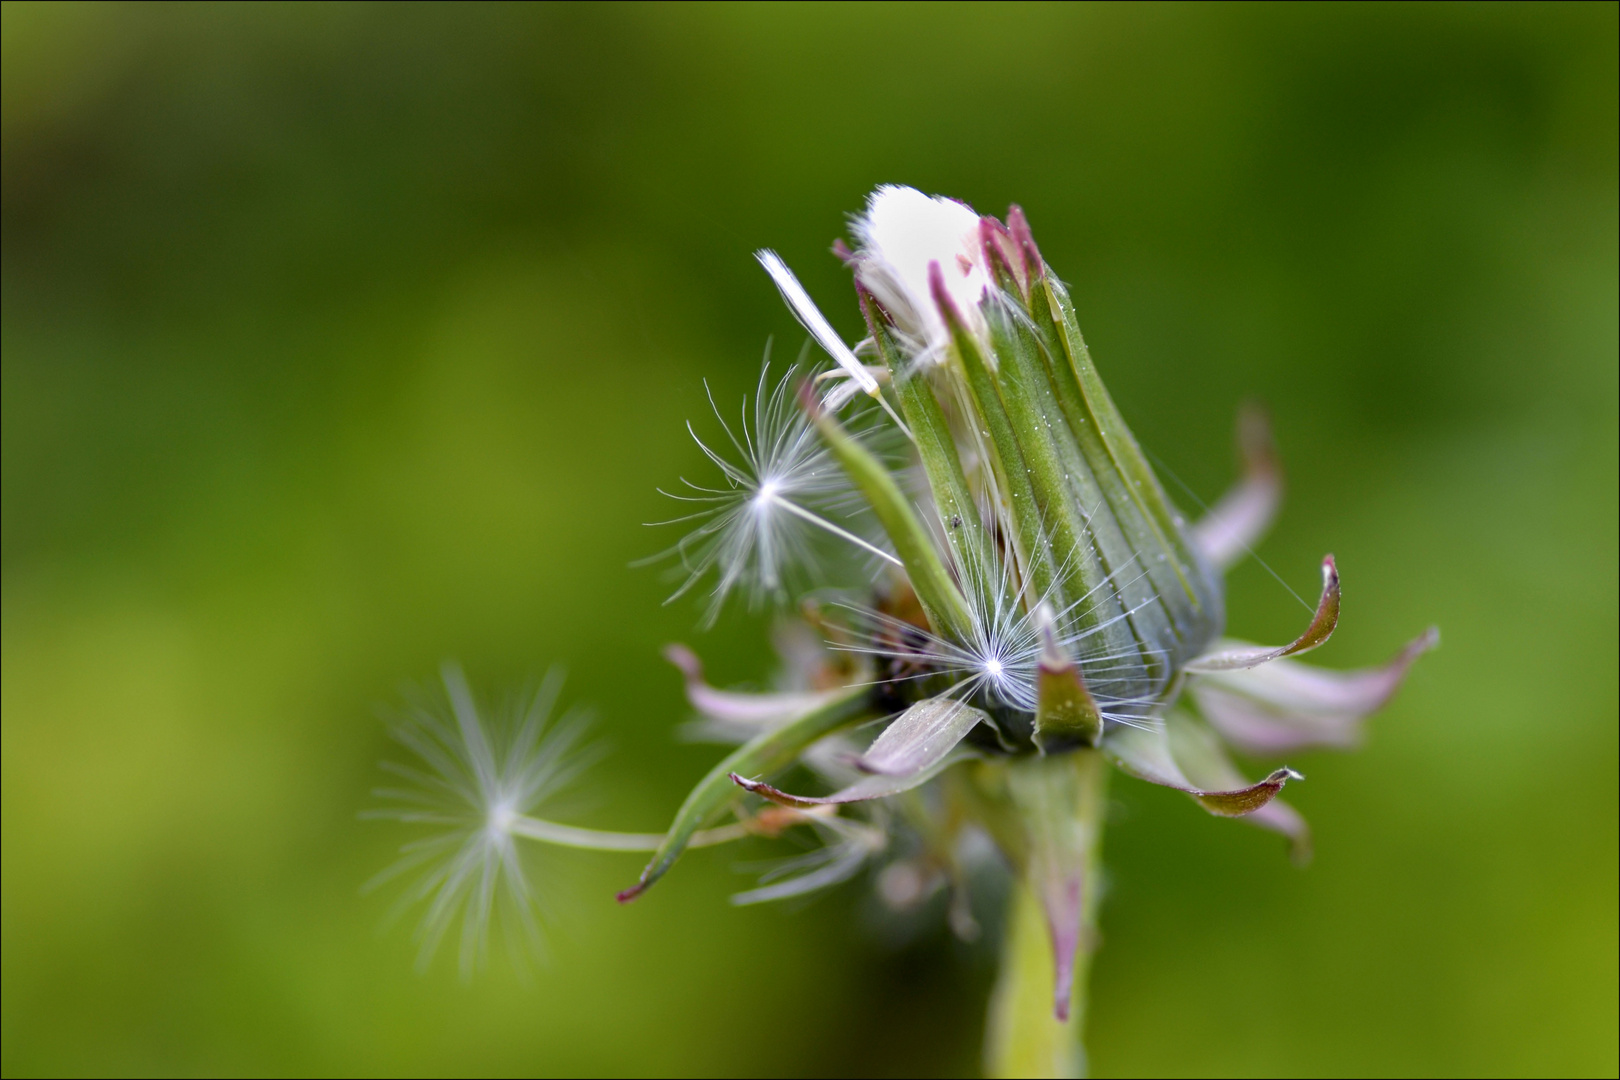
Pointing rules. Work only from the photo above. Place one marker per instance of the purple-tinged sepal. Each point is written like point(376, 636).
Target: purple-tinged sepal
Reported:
point(1324, 620)
point(912, 750)
point(920, 737)
point(1241, 517)
point(1288, 705)
point(1198, 752)
point(733, 712)
point(1147, 753)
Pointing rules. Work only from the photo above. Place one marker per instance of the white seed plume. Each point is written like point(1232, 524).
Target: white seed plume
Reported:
point(857, 375)
point(810, 316)
point(1001, 657)
point(476, 787)
point(778, 493)
point(901, 234)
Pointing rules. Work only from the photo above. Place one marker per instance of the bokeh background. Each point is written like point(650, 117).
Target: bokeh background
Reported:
point(342, 339)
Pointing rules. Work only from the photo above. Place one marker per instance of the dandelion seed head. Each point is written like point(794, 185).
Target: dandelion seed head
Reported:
point(781, 491)
point(471, 784)
point(501, 818)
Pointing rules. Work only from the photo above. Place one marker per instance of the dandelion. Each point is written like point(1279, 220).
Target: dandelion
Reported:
point(1036, 615)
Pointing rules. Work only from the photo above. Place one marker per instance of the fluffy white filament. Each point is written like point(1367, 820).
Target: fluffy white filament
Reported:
point(901, 234)
point(779, 486)
point(805, 310)
point(475, 785)
point(857, 374)
point(1000, 657)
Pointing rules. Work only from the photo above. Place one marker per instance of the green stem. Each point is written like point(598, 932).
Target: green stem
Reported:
point(550, 832)
point(1023, 1037)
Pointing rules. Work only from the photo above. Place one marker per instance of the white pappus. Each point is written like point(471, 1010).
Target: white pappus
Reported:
point(782, 487)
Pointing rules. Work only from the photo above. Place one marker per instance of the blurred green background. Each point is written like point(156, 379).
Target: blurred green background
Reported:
point(342, 339)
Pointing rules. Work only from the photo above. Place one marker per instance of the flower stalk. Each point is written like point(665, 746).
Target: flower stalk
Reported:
point(1023, 1037)
point(1037, 1010)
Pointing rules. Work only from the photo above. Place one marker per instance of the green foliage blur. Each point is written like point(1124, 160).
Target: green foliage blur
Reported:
point(339, 340)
